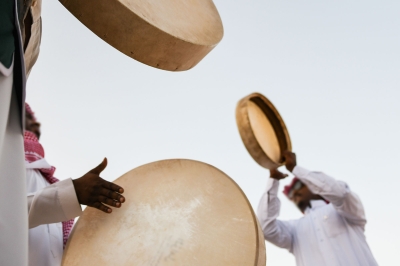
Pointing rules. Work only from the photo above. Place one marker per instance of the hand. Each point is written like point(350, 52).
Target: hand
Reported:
point(290, 160)
point(94, 191)
point(276, 174)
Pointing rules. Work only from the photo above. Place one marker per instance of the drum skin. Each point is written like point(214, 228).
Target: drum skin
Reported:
point(170, 34)
point(177, 212)
point(262, 130)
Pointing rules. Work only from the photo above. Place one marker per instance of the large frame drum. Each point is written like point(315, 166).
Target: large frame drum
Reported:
point(167, 34)
point(177, 212)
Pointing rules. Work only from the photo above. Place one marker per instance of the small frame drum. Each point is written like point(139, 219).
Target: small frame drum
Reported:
point(177, 212)
point(167, 34)
point(262, 130)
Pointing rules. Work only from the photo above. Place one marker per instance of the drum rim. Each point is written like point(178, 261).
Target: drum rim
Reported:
point(148, 21)
point(180, 38)
point(247, 134)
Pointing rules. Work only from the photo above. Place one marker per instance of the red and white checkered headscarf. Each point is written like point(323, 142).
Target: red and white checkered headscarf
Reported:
point(292, 186)
point(33, 152)
point(287, 189)
point(29, 111)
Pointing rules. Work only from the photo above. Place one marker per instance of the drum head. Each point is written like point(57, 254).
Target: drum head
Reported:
point(169, 34)
point(262, 130)
point(177, 212)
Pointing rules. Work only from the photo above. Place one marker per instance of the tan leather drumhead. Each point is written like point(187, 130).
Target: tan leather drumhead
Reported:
point(262, 130)
point(169, 34)
point(177, 212)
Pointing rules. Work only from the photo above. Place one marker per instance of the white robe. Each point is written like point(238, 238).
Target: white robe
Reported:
point(49, 204)
point(13, 216)
point(328, 234)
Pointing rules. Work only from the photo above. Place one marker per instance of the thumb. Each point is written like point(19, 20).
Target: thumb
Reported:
point(98, 169)
point(285, 155)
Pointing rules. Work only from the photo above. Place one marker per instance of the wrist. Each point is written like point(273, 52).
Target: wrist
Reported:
point(290, 167)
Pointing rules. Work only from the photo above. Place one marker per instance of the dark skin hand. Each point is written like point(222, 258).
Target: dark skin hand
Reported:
point(90, 189)
point(301, 196)
point(96, 192)
point(290, 162)
point(276, 174)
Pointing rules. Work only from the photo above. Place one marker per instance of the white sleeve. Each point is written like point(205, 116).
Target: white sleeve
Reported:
point(279, 233)
point(53, 204)
point(346, 202)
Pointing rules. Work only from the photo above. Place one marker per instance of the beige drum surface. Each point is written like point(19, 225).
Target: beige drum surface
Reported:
point(262, 130)
point(177, 212)
point(169, 34)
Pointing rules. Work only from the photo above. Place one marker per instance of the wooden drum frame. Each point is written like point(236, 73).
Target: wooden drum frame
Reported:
point(168, 34)
point(262, 130)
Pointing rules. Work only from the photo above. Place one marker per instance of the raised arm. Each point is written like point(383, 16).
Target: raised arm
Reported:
point(346, 202)
point(275, 231)
point(61, 201)
point(53, 204)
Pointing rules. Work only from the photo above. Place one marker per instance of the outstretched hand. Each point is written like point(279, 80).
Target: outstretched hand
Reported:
point(276, 174)
point(94, 191)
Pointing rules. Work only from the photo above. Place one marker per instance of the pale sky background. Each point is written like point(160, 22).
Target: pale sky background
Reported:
point(332, 68)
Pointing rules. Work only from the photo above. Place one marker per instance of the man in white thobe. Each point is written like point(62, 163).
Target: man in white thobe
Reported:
point(90, 189)
point(46, 241)
point(13, 201)
point(331, 233)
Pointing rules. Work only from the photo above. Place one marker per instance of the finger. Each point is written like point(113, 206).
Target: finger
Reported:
point(276, 172)
point(102, 207)
point(284, 158)
point(98, 169)
point(109, 201)
point(112, 195)
point(282, 175)
point(112, 186)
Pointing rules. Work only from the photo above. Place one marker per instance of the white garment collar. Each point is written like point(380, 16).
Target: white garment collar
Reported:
point(42, 163)
point(315, 204)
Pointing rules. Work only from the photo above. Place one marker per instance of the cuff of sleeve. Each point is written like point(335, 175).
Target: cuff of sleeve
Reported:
point(68, 200)
point(300, 172)
point(272, 186)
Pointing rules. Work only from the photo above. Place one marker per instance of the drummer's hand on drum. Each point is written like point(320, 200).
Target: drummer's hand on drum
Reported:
point(276, 174)
point(94, 191)
point(290, 160)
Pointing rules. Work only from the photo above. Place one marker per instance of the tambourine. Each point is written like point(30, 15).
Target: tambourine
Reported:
point(262, 130)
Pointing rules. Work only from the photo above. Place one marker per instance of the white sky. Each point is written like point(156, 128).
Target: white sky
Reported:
point(330, 67)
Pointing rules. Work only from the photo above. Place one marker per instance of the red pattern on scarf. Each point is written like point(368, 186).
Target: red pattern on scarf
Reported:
point(33, 152)
point(28, 110)
point(288, 188)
